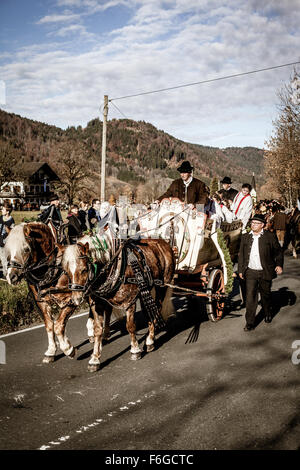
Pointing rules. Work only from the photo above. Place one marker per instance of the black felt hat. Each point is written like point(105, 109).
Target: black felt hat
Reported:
point(185, 167)
point(226, 180)
point(259, 218)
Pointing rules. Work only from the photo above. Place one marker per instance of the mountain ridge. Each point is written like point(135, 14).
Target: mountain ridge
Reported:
point(136, 150)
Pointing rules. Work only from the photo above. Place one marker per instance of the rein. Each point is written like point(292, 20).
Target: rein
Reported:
point(161, 225)
point(47, 279)
point(142, 279)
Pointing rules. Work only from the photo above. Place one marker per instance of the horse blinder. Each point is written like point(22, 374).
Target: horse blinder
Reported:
point(90, 277)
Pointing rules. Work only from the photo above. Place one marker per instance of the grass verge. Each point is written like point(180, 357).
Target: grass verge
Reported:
point(17, 308)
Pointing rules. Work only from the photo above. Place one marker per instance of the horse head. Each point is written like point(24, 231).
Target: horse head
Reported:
point(18, 252)
point(26, 244)
point(76, 263)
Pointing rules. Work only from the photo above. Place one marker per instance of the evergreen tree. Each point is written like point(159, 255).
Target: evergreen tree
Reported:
point(214, 185)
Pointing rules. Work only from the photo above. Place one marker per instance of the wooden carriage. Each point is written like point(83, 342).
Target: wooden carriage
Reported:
point(205, 250)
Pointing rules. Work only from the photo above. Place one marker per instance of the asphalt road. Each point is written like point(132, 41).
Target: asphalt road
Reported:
point(209, 386)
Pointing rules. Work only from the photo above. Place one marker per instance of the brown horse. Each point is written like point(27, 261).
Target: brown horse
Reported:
point(293, 232)
point(111, 287)
point(32, 254)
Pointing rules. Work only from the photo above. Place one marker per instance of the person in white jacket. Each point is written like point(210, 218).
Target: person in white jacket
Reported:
point(223, 213)
point(242, 204)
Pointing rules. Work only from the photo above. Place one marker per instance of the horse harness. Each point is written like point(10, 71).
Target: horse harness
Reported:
point(129, 253)
point(144, 282)
point(42, 284)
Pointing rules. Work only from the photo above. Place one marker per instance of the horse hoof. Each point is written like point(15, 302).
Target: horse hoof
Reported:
point(150, 348)
point(135, 356)
point(93, 367)
point(48, 359)
point(91, 339)
point(72, 354)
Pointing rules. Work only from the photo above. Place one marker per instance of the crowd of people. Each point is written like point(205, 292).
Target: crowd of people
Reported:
point(81, 218)
point(264, 226)
point(227, 204)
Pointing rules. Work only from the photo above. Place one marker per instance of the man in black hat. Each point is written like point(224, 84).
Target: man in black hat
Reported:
point(52, 213)
point(187, 188)
point(227, 192)
point(260, 260)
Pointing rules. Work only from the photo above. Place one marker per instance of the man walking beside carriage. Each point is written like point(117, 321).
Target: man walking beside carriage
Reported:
point(260, 261)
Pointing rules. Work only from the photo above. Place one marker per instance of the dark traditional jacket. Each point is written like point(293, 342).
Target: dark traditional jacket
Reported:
point(280, 221)
point(84, 221)
point(5, 227)
point(93, 214)
point(51, 213)
point(229, 193)
point(270, 252)
point(74, 228)
point(196, 192)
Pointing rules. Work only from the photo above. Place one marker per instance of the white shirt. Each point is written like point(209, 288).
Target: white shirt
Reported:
point(254, 258)
point(188, 182)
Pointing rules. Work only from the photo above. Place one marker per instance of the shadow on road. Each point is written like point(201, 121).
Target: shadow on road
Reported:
point(281, 298)
point(190, 312)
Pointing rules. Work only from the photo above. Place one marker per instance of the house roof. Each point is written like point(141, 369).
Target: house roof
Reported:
point(28, 169)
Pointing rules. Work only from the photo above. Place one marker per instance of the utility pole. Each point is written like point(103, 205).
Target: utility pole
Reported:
point(105, 112)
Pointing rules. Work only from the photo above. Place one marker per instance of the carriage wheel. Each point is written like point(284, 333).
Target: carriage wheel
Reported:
point(215, 294)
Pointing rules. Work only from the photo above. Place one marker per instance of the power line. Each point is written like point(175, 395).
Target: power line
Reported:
point(119, 110)
point(204, 81)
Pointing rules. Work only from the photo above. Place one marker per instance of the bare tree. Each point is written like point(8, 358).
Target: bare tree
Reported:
point(73, 170)
point(282, 157)
point(9, 163)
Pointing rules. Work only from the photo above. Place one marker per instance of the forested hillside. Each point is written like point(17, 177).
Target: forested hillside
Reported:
point(140, 158)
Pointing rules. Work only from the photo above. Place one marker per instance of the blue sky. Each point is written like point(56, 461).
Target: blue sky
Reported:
point(58, 58)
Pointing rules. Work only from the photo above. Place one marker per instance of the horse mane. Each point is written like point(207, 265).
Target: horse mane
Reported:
point(69, 255)
point(96, 254)
point(295, 216)
point(16, 241)
point(45, 231)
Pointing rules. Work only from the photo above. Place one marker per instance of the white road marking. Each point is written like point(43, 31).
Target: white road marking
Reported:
point(19, 398)
point(97, 421)
point(38, 326)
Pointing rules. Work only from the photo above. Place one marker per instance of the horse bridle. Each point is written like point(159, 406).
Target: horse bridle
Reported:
point(21, 267)
point(15, 265)
point(26, 268)
point(74, 287)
